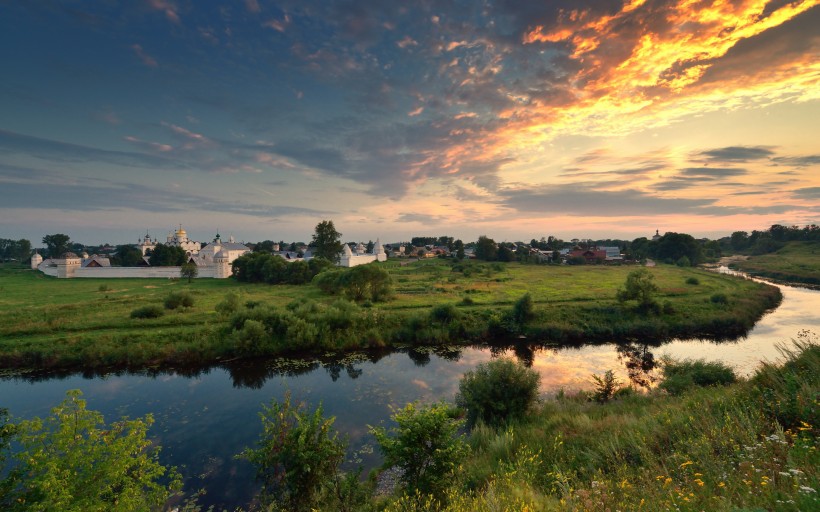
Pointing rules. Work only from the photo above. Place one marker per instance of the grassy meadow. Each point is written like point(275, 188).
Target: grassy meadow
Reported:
point(48, 322)
point(747, 446)
point(797, 262)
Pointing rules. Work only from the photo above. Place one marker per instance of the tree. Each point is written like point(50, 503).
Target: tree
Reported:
point(459, 246)
point(73, 461)
point(264, 246)
point(497, 391)
point(188, 271)
point(326, 241)
point(298, 456)
point(126, 256)
point(167, 256)
point(18, 250)
point(672, 246)
point(486, 249)
point(56, 244)
point(639, 286)
point(423, 445)
point(370, 246)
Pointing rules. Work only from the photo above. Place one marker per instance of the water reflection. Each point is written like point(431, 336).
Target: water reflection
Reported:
point(206, 415)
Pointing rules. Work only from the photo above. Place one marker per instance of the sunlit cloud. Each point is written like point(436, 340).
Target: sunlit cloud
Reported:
point(144, 57)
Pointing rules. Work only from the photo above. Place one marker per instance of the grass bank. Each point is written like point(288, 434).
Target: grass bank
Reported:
point(50, 323)
point(796, 262)
point(748, 446)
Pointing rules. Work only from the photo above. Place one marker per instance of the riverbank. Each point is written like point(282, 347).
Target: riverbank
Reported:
point(49, 323)
point(795, 263)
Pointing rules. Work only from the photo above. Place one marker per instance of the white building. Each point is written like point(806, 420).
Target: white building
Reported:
point(212, 261)
point(361, 257)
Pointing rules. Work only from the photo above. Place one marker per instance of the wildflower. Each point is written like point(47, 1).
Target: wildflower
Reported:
point(699, 482)
point(687, 463)
point(667, 481)
point(722, 484)
point(806, 489)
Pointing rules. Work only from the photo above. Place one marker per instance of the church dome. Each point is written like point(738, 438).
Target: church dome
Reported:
point(180, 233)
point(69, 255)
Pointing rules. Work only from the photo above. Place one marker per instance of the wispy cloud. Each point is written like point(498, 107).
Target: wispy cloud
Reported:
point(144, 57)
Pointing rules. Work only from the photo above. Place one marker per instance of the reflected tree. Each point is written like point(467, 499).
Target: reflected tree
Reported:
point(639, 363)
point(418, 357)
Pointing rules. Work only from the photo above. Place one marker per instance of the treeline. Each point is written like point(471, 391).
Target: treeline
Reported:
point(261, 267)
point(17, 250)
point(772, 239)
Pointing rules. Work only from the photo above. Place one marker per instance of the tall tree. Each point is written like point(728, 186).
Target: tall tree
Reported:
point(167, 256)
point(326, 241)
point(188, 271)
point(486, 249)
point(126, 256)
point(57, 244)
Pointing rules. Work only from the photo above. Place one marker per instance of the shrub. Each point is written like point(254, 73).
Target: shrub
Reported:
point(523, 310)
point(103, 288)
point(228, 306)
point(678, 376)
point(467, 301)
point(152, 311)
point(640, 286)
point(497, 392)
point(423, 445)
point(683, 261)
point(692, 280)
point(605, 387)
point(297, 458)
point(73, 460)
point(719, 298)
point(444, 314)
point(179, 300)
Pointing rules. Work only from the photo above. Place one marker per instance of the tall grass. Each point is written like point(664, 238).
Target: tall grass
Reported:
point(750, 446)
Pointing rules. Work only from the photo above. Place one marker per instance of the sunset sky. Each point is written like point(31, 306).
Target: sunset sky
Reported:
point(506, 118)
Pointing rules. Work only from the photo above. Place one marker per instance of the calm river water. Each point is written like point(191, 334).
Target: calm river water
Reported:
point(205, 417)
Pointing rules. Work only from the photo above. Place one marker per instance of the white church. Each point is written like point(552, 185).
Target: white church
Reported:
point(213, 260)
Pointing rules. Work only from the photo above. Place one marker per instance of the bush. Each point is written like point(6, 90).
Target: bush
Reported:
point(497, 392)
point(683, 261)
point(605, 387)
point(179, 300)
point(152, 311)
point(73, 460)
point(719, 298)
point(678, 376)
point(297, 458)
point(640, 286)
point(523, 310)
point(228, 306)
point(423, 445)
point(692, 280)
point(444, 314)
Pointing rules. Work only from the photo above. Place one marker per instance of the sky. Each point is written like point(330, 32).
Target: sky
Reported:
point(506, 118)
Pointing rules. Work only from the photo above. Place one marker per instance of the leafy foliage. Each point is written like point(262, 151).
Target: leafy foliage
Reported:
point(57, 244)
point(188, 271)
point(150, 311)
point(639, 286)
point(176, 300)
point(423, 445)
point(19, 250)
point(167, 256)
point(262, 267)
point(486, 249)
point(298, 456)
point(326, 241)
point(72, 461)
point(523, 310)
point(679, 376)
point(605, 387)
point(126, 256)
point(497, 392)
point(363, 282)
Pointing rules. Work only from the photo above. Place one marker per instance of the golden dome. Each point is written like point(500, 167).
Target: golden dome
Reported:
point(181, 232)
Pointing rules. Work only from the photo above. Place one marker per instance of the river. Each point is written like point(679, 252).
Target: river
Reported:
point(204, 417)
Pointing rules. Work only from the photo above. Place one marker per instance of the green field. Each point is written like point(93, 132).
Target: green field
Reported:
point(797, 262)
point(48, 322)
